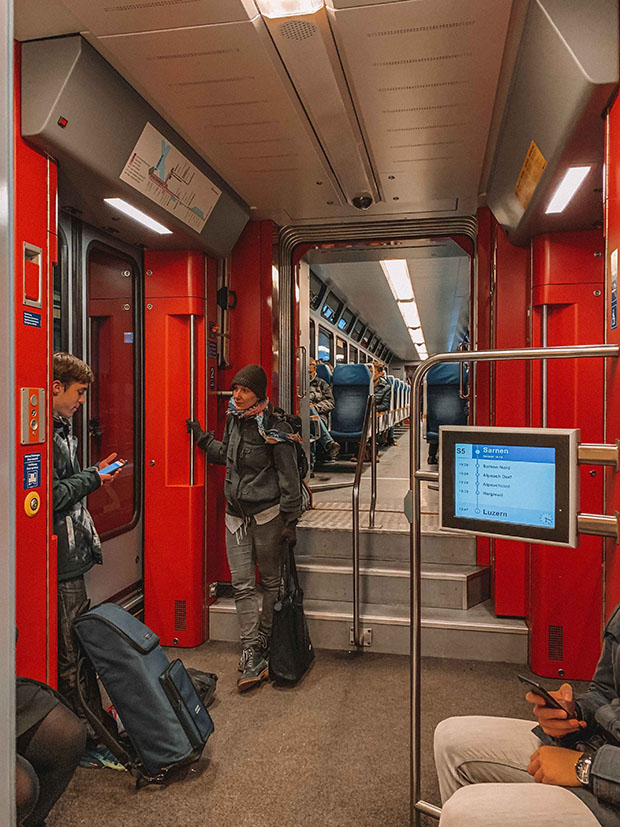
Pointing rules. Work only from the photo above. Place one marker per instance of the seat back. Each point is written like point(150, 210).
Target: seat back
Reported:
point(351, 386)
point(323, 372)
point(443, 403)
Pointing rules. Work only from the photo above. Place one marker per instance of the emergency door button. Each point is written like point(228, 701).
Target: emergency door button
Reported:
point(32, 503)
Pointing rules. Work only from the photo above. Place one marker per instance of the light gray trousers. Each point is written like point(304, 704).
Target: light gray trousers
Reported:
point(259, 545)
point(483, 780)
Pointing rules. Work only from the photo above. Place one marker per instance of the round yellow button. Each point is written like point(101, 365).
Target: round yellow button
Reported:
point(32, 503)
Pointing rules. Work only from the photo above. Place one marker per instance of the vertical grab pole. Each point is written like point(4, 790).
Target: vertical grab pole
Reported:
point(192, 399)
point(373, 469)
point(544, 379)
point(355, 508)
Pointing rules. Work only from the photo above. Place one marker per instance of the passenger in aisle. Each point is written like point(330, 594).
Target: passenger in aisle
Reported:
point(263, 504)
point(565, 771)
point(321, 399)
point(79, 546)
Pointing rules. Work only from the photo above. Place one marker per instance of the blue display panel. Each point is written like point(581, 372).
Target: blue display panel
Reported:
point(509, 483)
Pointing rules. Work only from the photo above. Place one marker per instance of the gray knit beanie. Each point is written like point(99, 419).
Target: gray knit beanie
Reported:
point(254, 378)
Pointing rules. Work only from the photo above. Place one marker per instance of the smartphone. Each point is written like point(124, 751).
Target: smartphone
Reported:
point(111, 469)
point(539, 690)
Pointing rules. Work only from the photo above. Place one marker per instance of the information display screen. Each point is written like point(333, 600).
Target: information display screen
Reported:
point(510, 482)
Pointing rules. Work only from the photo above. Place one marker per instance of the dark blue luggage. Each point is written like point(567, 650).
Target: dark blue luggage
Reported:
point(167, 724)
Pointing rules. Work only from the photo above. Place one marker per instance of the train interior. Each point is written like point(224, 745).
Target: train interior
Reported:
point(204, 184)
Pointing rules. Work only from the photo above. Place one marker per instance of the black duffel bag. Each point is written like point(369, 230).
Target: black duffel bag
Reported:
point(291, 650)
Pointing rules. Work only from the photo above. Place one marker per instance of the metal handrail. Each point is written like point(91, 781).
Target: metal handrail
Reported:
point(370, 423)
point(416, 475)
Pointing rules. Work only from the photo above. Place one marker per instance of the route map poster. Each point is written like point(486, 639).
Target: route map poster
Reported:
point(162, 173)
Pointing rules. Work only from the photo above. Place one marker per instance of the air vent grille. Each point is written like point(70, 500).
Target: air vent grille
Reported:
point(236, 79)
point(413, 160)
point(247, 123)
point(180, 616)
point(432, 59)
point(150, 4)
point(227, 104)
point(421, 108)
point(428, 126)
point(298, 30)
point(556, 643)
point(416, 29)
point(411, 87)
point(430, 143)
point(183, 55)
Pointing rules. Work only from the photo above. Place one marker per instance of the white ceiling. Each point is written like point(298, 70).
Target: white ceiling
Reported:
point(440, 276)
point(422, 74)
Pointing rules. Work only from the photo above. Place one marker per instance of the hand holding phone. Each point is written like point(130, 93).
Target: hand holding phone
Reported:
point(555, 711)
point(113, 468)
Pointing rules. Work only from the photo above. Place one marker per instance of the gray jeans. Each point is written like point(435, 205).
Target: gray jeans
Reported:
point(482, 770)
point(260, 545)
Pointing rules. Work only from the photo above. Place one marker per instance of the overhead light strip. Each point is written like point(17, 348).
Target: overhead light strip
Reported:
point(567, 187)
point(137, 215)
point(288, 8)
point(396, 272)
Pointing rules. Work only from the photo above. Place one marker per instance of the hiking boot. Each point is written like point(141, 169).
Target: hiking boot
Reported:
point(255, 670)
point(264, 642)
point(333, 449)
point(243, 659)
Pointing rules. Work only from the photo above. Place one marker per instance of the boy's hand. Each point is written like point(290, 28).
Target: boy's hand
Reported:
point(555, 722)
point(106, 478)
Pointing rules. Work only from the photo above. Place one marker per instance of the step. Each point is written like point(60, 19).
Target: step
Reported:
point(475, 634)
point(331, 540)
point(447, 586)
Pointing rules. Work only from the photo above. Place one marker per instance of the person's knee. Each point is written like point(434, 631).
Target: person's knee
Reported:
point(26, 788)
point(463, 809)
point(448, 734)
point(66, 734)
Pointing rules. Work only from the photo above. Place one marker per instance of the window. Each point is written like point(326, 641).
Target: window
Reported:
point(367, 337)
point(374, 342)
point(341, 351)
point(331, 308)
point(358, 329)
point(353, 356)
point(312, 339)
point(325, 346)
point(345, 322)
point(317, 291)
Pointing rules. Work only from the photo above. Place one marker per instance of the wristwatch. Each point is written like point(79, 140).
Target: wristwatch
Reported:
point(583, 767)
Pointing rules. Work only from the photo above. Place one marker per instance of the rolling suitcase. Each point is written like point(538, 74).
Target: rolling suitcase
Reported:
point(166, 723)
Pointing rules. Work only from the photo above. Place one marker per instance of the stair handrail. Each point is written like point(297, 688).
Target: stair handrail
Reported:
point(369, 424)
point(413, 511)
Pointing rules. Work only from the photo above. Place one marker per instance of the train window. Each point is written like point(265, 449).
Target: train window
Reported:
point(345, 322)
point(353, 355)
point(111, 285)
point(341, 351)
point(357, 331)
point(332, 306)
point(367, 337)
point(317, 291)
point(373, 344)
point(312, 339)
point(325, 346)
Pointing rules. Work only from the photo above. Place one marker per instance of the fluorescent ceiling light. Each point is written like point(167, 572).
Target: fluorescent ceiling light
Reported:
point(397, 275)
point(422, 352)
point(409, 312)
point(288, 8)
point(567, 188)
point(417, 337)
point(137, 215)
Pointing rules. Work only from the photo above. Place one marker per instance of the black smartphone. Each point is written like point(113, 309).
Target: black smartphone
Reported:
point(539, 690)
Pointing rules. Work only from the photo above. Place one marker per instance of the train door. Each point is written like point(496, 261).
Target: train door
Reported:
point(306, 348)
point(99, 304)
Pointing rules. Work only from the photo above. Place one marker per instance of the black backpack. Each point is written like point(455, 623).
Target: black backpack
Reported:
point(302, 460)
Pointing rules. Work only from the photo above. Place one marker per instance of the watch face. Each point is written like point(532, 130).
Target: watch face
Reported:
point(582, 769)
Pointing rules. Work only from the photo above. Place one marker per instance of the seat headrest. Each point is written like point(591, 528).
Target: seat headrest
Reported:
point(323, 371)
point(443, 374)
point(351, 375)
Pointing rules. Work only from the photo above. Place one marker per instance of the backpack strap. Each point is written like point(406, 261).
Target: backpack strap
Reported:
point(102, 732)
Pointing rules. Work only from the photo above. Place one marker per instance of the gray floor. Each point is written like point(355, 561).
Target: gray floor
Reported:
point(332, 751)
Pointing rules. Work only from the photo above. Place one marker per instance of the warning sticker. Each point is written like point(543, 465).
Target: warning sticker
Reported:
point(533, 167)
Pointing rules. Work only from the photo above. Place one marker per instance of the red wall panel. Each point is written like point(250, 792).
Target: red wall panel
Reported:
point(174, 505)
point(35, 224)
point(564, 641)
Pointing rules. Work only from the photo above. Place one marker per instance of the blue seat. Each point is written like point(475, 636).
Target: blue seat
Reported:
point(443, 403)
point(323, 372)
point(351, 386)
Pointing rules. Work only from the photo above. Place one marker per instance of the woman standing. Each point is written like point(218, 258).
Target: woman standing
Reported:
point(263, 504)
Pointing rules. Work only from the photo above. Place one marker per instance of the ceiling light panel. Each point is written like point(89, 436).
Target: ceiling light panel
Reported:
point(424, 74)
point(566, 189)
point(119, 17)
point(219, 86)
point(137, 215)
point(397, 275)
point(288, 8)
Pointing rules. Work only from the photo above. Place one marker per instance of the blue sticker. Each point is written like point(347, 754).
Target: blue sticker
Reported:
point(128, 337)
point(32, 319)
point(32, 471)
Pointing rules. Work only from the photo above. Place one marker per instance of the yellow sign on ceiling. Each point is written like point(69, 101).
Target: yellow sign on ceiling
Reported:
point(531, 171)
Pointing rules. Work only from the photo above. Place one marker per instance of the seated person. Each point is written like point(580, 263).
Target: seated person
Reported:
point(321, 399)
point(383, 397)
point(565, 771)
point(50, 742)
